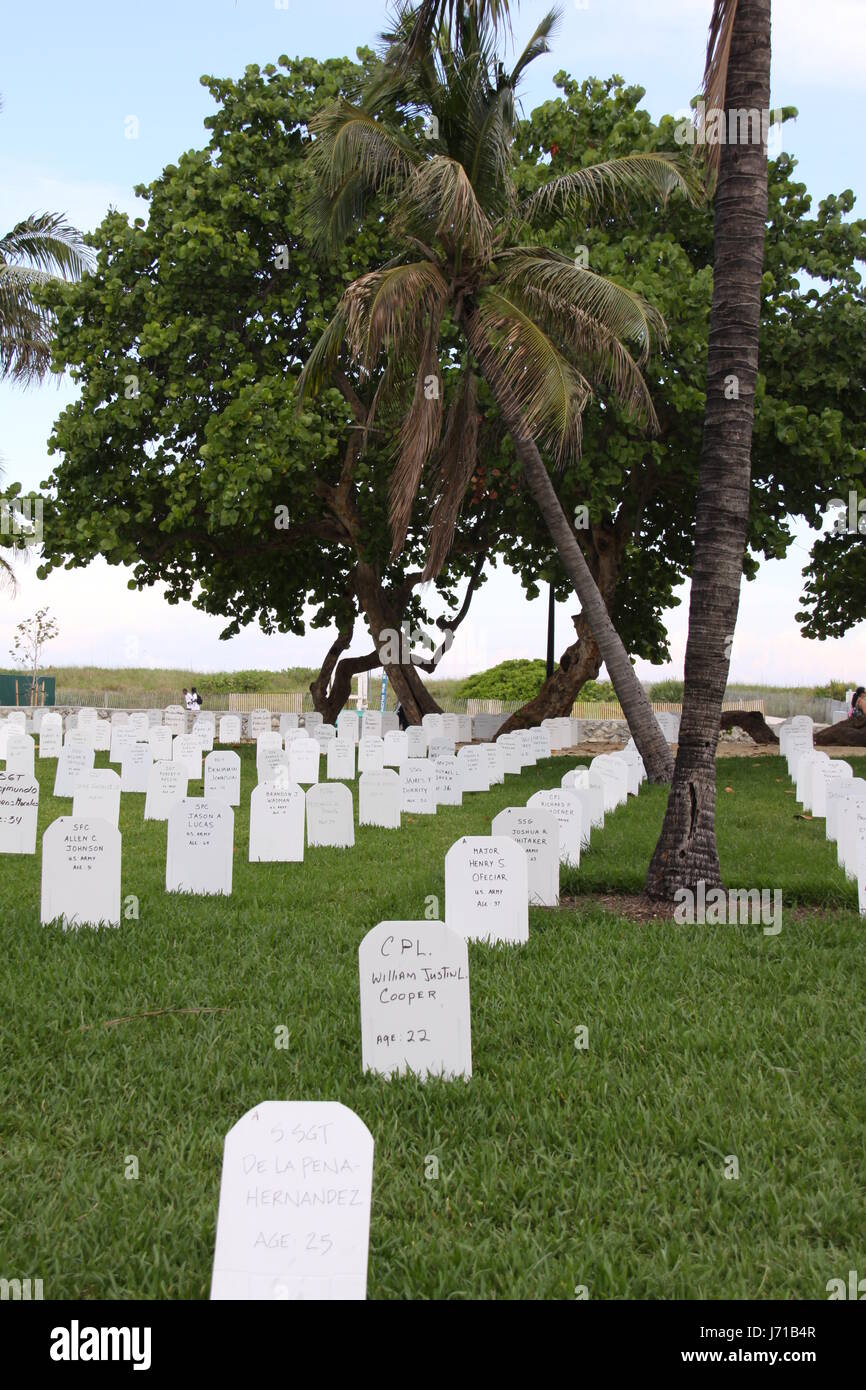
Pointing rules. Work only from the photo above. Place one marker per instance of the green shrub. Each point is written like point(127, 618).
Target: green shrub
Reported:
point(835, 690)
point(510, 680)
point(667, 692)
point(597, 691)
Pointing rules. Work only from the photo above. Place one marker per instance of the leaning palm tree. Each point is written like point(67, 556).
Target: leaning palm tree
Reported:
point(545, 333)
point(43, 247)
point(736, 82)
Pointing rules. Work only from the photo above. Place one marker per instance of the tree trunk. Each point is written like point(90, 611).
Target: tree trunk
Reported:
point(579, 663)
point(382, 619)
point(637, 709)
point(686, 852)
point(329, 702)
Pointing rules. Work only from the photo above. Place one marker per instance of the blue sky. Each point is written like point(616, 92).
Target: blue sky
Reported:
point(72, 75)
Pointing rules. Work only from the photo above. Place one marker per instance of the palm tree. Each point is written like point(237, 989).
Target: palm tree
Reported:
point(543, 332)
point(41, 248)
point(737, 78)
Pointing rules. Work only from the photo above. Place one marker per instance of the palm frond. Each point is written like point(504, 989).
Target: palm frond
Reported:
point(454, 20)
point(455, 465)
point(319, 367)
point(716, 73)
point(352, 155)
point(419, 434)
point(389, 308)
point(537, 46)
point(440, 195)
point(49, 243)
point(614, 181)
point(549, 391)
point(618, 311)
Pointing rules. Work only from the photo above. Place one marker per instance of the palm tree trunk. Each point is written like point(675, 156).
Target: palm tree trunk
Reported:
point(637, 709)
point(686, 851)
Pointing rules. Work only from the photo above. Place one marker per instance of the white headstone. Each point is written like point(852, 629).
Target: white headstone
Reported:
point(230, 729)
point(379, 799)
point(451, 727)
point(396, 748)
point(122, 738)
point(449, 783)
point(81, 873)
point(835, 789)
point(21, 753)
point(174, 718)
point(203, 730)
point(288, 721)
point(324, 734)
point(187, 750)
point(303, 761)
point(19, 812)
point(415, 1014)
point(835, 770)
point(540, 743)
point(418, 787)
point(537, 831)
point(371, 724)
point(135, 768)
point(565, 805)
point(440, 748)
point(97, 797)
point(51, 736)
point(269, 738)
point(371, 754)
point(167, 784)
point(119, 719)
point(277, 814)
point(464, 728)
point(526, 746)
point(200, 847)
point(312, 720)
point(416, 741)
point(160, 739)
point(100, 736)
point(348, 725)
point(510, 748)
point(330, 816)
point(486, 896)
point(473, 768)
point(495, 763)
point(340, 760)
point(139, 722)
point(222, 778)
point(272, 764)
point(259, 722)
point(432, 726)
point(72, 764)
point(294, 1208)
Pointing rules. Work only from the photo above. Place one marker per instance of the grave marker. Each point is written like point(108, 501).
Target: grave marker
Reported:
point(277, 814)
point(222, 778)
point(294, 1207)
point(449, 784)
point(340, 760)
point(537, 832)
point(330, 820)
point(200, 847)
point(418, 787)
point(81, 873)
point(135, 768)
point(167, 784)
point(486, 896)
point(415, 1012)
point(19, 812)
point(97, 797)
point(379, 799)
point(72, 764)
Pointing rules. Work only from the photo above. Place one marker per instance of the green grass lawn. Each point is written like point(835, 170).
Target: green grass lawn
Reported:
point(558, 1167)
